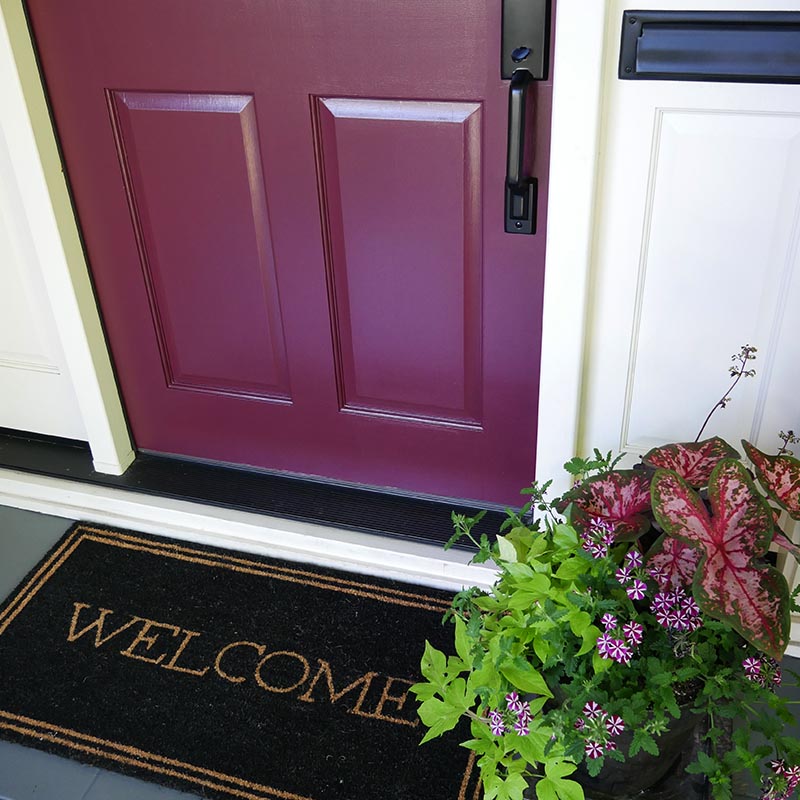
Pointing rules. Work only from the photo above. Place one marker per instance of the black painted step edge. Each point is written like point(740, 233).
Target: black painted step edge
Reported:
point(333, 505)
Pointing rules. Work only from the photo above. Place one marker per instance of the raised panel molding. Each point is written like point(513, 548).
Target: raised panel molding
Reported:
point(403, 255)
point(718, 268)
point(214, 335)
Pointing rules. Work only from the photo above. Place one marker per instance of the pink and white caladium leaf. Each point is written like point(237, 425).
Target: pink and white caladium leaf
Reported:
point(693, 461)
point(732, 582)
point(618, 498)
point(782, 540)
point(672, 562)
point(780, 477)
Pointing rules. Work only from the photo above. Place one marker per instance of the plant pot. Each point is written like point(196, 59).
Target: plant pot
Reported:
point(660, 777)
point(628, 779)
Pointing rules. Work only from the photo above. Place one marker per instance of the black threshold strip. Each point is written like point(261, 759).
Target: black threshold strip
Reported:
point(347, 507)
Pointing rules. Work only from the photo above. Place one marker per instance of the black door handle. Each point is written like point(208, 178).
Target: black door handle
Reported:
point(520, 205)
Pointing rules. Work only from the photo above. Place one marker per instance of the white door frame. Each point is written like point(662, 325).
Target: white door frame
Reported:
point(576, 110)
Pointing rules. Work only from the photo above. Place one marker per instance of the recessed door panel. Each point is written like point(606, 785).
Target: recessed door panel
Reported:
point(192, 170)
point(404, 255)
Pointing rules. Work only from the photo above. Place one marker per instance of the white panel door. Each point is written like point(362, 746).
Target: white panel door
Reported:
point(36, 392)
point(697, 252)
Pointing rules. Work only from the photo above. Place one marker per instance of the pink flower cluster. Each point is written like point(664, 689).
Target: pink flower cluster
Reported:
point(764, 671)
point(631, 575)
point(515, 717)
point(619, 642)
point(783, 784)
point(598, 537)
point(599, 729)
point(676, 610)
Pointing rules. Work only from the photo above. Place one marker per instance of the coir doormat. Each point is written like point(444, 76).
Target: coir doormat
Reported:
point(225, 674)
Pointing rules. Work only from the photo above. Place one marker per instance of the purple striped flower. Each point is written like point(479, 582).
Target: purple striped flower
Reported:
point(603, 643)
point(659, 575)
point(615, 725)
point(634, 558)
point(594, 750)
point(592, 709)
point(624, 574)
point(521, 728)
point(633, 632)
point(636, 590)
point(496, 724)
point(608, 621)
point(619, 651)
point(513, 702)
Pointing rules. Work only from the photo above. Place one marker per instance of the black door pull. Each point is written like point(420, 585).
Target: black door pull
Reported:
point(523, 59)
point(520, 188)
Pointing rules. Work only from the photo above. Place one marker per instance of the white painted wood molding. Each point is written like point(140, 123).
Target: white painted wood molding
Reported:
point(45, 199)
point(577, 106)
point(353, 551)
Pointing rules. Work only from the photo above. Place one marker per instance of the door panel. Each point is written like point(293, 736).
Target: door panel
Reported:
point(294, 216)
point(406, 305)
point(196, 195)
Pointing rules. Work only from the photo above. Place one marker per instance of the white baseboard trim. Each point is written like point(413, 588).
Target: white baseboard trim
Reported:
point(353, 551)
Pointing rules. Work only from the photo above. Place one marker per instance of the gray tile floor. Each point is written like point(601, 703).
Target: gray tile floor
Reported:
point(27, 774)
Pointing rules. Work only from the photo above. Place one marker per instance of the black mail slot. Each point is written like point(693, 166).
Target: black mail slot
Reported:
point(733, 46)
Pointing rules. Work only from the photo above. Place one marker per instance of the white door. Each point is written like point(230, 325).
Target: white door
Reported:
point(36, 392)
point(696, 255)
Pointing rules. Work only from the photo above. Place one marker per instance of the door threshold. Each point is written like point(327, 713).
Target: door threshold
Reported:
point(331, 506)
point(303, 542)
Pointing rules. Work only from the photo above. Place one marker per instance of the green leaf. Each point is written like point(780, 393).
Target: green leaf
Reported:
point(512, 788)
point(531, 747)
point(571, 569)
point(526, 679)
point(559, 769)
point(558, 789)
point(642, 740)
point(463, 644)
point(507, 550)
point(542, 648)
point(565, 537)
point(439, 717)
point(424, 690)
point(546, 789)
point(433, 664)
point(579, 621)
point(601, 664)
point(589, 640)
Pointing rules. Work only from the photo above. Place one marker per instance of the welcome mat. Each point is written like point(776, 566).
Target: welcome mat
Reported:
point(223, 673)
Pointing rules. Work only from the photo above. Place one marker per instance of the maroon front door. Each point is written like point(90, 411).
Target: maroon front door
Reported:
point(293, 211)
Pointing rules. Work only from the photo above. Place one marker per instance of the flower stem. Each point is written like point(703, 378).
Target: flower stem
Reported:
point(739, 372)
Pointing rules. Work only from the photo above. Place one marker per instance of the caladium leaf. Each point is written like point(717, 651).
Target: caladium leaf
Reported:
point(618, 498)
point(673, 562)
point(780, 477)
point(693, 461)
point(782, 540)
point(732, 584)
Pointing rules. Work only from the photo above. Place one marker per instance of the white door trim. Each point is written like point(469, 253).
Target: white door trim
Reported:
point(576, 111)
point(26, 126)
point(577, 108)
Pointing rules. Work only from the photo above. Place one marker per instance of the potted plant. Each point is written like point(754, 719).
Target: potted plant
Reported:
point(626, 612)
